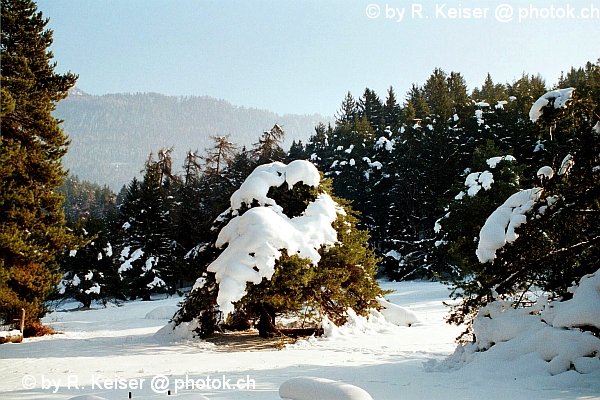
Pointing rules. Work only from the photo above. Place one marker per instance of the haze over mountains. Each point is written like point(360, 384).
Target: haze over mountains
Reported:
point(112, 135)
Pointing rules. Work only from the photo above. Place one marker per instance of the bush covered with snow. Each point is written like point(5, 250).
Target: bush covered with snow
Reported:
point(547, 335)
point(396, 314)
point(256, 238)
point(284, 246)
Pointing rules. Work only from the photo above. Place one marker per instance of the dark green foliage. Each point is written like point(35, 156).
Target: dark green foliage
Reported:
point(32, 232)
point(86, 199)
point(147, 262)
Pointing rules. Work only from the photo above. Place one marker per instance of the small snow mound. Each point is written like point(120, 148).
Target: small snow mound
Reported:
point(302, 171)
point(88, 397)
point(10, 333)
point(177, 333)
point(320, 389)
point(396, 314)
point(525, 340)
point(162, 312)
point(357, 325)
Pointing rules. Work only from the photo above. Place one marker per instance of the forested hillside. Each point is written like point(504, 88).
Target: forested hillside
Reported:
point(112, 135)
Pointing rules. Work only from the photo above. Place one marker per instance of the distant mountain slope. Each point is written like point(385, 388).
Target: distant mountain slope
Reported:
point(112, 135)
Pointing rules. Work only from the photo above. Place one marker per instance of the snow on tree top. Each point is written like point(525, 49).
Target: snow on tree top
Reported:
point(545, 172)
point(560, 97)
point(384, 142)
point(492, 162)
point(255, 239)
point(258, 183)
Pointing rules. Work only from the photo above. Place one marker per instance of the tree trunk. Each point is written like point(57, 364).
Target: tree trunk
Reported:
point(266, 324)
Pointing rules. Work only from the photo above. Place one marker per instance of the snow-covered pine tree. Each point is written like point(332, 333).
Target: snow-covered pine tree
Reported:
point(146, 257)
point(493, 177)
point(547, 237)
point(343, 276)
point(89, 273)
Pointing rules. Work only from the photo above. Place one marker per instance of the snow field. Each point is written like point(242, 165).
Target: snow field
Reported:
point(385, 360)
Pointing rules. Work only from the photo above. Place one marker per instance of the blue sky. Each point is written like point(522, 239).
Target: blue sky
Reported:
point(304, 56)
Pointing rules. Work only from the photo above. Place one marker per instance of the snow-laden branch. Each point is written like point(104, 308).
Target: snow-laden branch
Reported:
point(560, 97)
point(499, 228)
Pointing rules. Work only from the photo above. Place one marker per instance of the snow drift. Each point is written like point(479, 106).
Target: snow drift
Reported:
point(320, 389)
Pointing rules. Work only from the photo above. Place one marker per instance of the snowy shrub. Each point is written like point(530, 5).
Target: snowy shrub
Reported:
point(286, 246)
point(555, 335)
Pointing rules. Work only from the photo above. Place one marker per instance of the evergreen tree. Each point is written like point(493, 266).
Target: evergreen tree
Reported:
point(297, 151)
point(32, 233)
point(392, 111)
point(371, 110)
point(86, 199)
point(490, 92)
point(147, 258)
point(89, 273)
point(438, 97)
point(343, 277)
point(559, 242)
point(348, 111)
point(417, 98)
point(268, 148)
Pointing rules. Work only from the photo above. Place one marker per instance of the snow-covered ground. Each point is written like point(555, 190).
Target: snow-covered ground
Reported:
point(116, 346)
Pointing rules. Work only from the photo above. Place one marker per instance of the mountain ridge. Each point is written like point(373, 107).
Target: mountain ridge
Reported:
point(112, 135)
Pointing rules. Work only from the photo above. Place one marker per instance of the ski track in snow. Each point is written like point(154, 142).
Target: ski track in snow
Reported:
point(118, 342)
